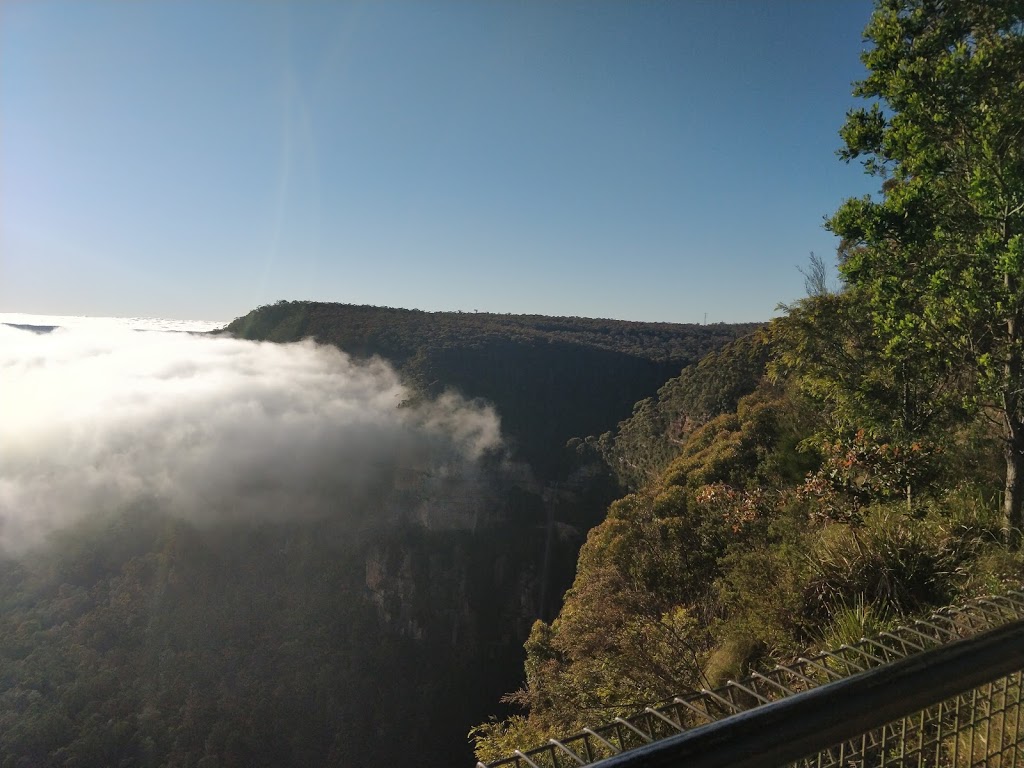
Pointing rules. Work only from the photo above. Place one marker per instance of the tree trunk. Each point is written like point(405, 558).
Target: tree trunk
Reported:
point(1013, 381)
point(1013, 497)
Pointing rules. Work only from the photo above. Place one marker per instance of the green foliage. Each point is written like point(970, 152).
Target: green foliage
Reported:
point(756, 443)
point(645, 444)
point(889, 557)
point(937, 260)
point(892, 390)
point(761, 596)
point(496, 738)
point(625, 634)
point(753, 548)
point(850, 622)
point(856, 471)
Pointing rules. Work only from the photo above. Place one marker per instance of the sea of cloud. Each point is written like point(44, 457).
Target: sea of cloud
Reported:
point(100, 414)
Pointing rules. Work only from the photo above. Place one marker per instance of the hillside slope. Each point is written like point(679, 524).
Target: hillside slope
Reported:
point(551, 378)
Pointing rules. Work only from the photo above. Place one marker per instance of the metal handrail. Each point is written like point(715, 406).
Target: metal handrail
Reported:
point(882, 661)
point(792, 728)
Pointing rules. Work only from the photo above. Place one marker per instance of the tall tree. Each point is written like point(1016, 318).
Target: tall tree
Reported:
point(938, 255)
point(898, 402)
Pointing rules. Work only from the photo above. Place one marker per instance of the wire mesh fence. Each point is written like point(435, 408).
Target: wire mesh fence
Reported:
point(977, 723)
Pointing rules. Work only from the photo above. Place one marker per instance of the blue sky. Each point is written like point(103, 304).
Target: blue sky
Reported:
point(637, 160)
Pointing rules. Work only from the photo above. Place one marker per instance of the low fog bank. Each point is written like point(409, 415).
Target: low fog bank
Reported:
point(105, 324)
point(214, 429)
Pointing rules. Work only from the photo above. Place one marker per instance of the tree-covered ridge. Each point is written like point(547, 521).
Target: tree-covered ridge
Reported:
point(358, 639)
point(142, 639)
point(550, 378)
point(399, 334)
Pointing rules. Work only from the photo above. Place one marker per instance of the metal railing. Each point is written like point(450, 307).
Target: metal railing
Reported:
point(942, 691)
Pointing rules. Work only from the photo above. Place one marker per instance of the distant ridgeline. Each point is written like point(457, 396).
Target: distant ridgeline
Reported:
point(551, 378)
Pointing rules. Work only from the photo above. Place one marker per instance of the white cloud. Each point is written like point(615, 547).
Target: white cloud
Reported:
point(95, 416)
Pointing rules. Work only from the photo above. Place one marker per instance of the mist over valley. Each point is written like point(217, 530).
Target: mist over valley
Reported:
point(353, 544)
point(213, 429)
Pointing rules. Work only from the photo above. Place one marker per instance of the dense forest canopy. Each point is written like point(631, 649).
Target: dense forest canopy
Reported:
point(145, 640)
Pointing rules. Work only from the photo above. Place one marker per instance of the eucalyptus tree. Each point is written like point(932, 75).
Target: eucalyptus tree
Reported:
point(938, 254)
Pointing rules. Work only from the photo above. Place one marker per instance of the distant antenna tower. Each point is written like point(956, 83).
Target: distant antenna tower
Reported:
point(705, 318)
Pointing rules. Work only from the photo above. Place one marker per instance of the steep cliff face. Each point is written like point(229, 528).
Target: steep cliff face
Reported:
point(473, 594)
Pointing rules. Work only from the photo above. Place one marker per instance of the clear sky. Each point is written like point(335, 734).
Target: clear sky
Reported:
point(637, 160)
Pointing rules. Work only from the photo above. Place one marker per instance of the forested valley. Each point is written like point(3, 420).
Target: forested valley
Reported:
point(371, 633)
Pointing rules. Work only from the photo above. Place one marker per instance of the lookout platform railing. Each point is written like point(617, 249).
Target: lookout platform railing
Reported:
point(943, 691)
